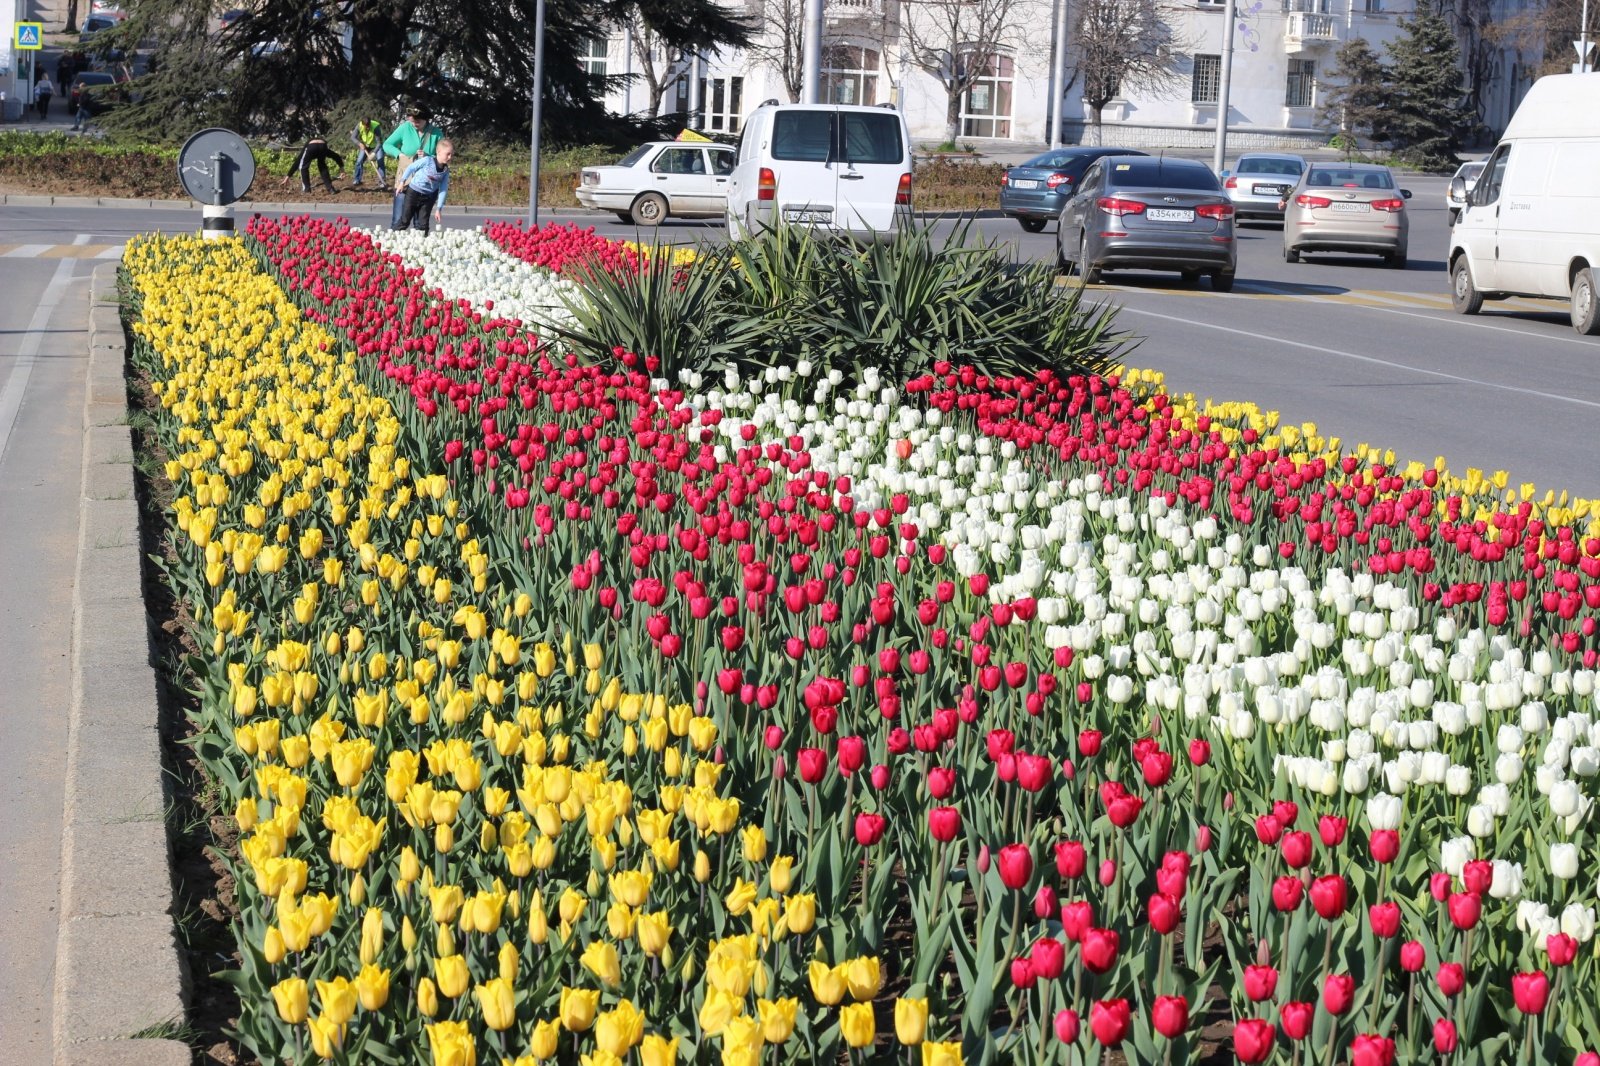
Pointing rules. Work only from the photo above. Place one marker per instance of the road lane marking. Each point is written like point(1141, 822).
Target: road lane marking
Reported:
point(1357, 357)
point(25, 251)
point(28, 351)
point(79, 249)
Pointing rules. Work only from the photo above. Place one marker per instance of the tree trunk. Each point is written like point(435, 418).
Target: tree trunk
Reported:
point(72, 17)
point(1098, 140)
point(952, 114)
point(657, 91)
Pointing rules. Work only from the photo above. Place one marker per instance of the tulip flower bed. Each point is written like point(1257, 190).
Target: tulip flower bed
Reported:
point(579, 716)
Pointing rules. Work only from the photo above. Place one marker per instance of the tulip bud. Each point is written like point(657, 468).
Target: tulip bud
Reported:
point(1412, 957)
point(1444, 1036)
point(1066, 1026)
point(1108, 873)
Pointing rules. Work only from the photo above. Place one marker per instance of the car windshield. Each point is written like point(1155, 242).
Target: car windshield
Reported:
point(1322, 178)
point(1471, 170)
point(634, 156)
point(1156, 174)
point(1255, 165)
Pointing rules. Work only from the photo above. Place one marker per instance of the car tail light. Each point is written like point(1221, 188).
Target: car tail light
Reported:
point(1218, 211)
point(1389, 205)
point(1306, 200)
point(1231, 183)
point(1112, 205)
point(766, 185)
point(1055, 181)
point(902, 195)
point(1005, 178)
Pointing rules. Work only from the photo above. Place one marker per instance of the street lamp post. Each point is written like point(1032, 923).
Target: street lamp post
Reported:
point(811, 62)
point(1223, 85)
point(538, 114)
point(1058, 123)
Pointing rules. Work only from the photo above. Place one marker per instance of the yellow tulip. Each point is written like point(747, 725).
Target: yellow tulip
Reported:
point(740, 897)
point(658, 1051)
point(653, 932)
point(372, 988)
point(546, 1036)
point(742, 1034)
point(864, 976)
point(291, 999)
point(827, 982)
point(497, 999)
point(800, 912)
point(937, 1054)
point(338, 999)
point(578, 1008)
point(718, 1010)
point(777, 1018)
point(857, 1024)
point(910, 1020)
point(451, 975)
point(571, 905)
point(631, 887)
point(508, 960)
point(600, 959)
point(780, 874)
point(371, 935)
point(327, 1037)
point(702, 867)
point(755, 843)
point(618, 1030)
point(452, 1044)
point(728, 974)
point(272, 947)
point(446, 901)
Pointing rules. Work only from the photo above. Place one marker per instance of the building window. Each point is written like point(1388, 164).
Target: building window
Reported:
point(1309, 7)
point(850, 75)
point(1203, 83)
point(681, 94)
point(1302, 88)
point(986, 106)
point(595, 57)
point(726, 105)
point(1375, 7)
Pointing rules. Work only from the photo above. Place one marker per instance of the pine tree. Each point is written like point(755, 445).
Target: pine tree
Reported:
point(1356, 105)
point(1426, 113)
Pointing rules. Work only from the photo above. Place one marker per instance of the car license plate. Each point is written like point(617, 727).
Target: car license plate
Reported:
point(1351, 209)
point(1268, 190)
point(795, 214)
point(1025, 183)
point(1169, 214)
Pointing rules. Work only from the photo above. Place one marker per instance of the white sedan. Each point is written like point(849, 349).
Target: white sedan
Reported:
point(662, 178)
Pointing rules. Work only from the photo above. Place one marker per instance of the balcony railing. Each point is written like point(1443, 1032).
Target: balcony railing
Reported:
point(1306, 29)
point(839, 10)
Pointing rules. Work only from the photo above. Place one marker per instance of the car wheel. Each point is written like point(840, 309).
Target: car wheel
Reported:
point(1190, 276)
point(1464, 295)
point(1222, 282)
point(1585, 303)
point(1396, 260)
point(1063, 264)
point(1088, 273)
point(1032, 225)
point(649, 209)
point(1291, 255)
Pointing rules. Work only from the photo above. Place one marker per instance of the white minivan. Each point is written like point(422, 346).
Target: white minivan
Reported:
point(1531, 225)
point(839, 167)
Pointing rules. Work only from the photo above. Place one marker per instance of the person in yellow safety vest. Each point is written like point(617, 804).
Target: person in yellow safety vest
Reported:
point(366, 136)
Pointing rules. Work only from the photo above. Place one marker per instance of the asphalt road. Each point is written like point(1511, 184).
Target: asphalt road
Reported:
point(1365, 352)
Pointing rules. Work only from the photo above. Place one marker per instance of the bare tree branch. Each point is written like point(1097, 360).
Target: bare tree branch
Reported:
point(1124, 46)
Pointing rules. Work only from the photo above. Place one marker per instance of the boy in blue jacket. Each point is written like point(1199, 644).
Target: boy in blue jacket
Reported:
point(425, 184)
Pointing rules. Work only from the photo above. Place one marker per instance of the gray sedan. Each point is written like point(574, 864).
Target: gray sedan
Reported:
point(1257, 182)
point(1143, 213)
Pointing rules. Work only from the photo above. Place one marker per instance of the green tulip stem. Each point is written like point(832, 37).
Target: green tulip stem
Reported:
point(1333, 1040)
point(938, 884)
point(1527, 1046)
point(1044, 1020)
point(1327, 954)
point(1161, 963)
point(1377, 996)
point(1411, 1011)
point(1016, 923)
point(1288, 923)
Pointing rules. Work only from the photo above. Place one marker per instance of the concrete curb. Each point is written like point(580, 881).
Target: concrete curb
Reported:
point(118, 970)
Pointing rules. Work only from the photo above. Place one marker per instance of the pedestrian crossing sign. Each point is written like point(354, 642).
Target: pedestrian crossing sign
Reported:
point(30, 36)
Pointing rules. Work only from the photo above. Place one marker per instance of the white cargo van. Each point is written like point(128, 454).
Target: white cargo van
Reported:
point(1531, 225)
point(838, 167)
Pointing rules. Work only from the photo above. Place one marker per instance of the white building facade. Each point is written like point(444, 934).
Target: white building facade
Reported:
point(1284, 55)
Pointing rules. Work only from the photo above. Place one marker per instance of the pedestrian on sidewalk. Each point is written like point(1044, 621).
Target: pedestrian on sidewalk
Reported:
point(414, 137)
point(316, 151)
point(365, 136)
point(42, 92)
point(80, 121)
point(424, 186)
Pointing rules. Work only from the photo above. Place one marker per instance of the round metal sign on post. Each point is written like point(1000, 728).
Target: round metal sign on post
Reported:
point(217, 168)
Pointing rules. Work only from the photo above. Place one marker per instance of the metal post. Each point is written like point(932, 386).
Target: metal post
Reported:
point(538, 114)
point(811, 85)
point(1058, 124)
point(1223, 86)
point(627, 86)
point(1583, 35)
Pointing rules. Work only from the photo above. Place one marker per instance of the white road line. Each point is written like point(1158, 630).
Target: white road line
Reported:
point(28, 351)
point(27, 251)
point(1373, 360)
point(114, 252)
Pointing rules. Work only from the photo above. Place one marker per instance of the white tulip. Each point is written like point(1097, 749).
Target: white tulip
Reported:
point(1564, 796)
point(1480, 821)
point(1454, 854)
point(1585, 761)
point(1577, 921)
point(1535, 718)
point(1458, 781)
point(1564, 861)
point(1497, 798)
point(1508, 739)
point(1356, 777)
point(1383, 811)
point(1507, 883)
point(1508, 769)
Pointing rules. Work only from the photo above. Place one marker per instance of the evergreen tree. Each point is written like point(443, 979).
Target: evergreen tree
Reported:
point(1357, 103)
point(1426, 114)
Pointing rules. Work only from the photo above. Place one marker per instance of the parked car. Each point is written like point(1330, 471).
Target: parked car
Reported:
point(1148, 213)
point(1531, 225)
point(1033, 192)
point(681, 179)
point(97, 88)
point(841, 168)
point(228, 18)
point(1258, 181)
point(1346, 207)
point(1460, 188)
point(93, 25)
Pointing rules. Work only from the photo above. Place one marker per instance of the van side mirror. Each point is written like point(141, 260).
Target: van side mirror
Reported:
point(1406, 193)
point(1458, 188)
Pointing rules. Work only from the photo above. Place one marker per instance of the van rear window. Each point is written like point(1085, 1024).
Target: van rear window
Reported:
point(850, 136)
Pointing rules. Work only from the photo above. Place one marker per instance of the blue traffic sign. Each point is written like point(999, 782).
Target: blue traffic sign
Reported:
point(30, 36)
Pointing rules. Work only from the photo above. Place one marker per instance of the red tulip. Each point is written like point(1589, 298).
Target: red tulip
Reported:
point(944, 823)
point(1124, 810)
point(1384, 845)
point(1338, 990)
point(1369, 1049)
point(1296, 848)
point(1066, 1026)
point(1465, 909)
point(1287, 892)
point(1444, 1036)
point(1531, 991)
point(1022, 972)
point(879, 776)
point(1077, 918)
point(1296, 1018)
point(1033, 771)
point(1331, 829)
point(1199, 752)
point(813, 764)
point(1329, 895)
point(1089, 743)
point(1260, 982)
point(1099, 947)
point(1412, 958)
point(1452, 977)
point(1286, 812)
point(941, 782)
point(1157, 768)
point(1384, 919)
point(1439, 886)
point(1170, 1015)
point(1110, 1020)
point(1000, 742)
point(1049, 957)
point(852, 753)
point(1588, 1058)
point(869, 828)
point(1108, 872)
point(1164, 913)
point(1171, 881)
point(1477, 876)
point(1268, 829)
point(1561, 948)
point(1202, 838)
point(1016, 865)
point(1044, 902)
point(1253, 1040)
point(1070, 859)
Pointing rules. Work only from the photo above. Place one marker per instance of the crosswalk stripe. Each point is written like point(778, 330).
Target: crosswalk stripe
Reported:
point(61, 251)
point(27, 251)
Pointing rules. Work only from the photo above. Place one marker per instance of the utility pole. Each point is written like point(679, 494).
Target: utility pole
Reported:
point(1223, 85)
point(1058, 122)
point(538, 114)
point(811, 82)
